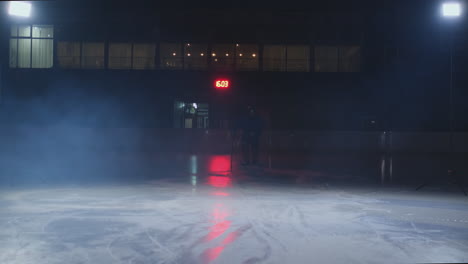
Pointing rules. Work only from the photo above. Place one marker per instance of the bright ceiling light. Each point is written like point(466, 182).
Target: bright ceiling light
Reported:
point(451, 9)
point(21, 9)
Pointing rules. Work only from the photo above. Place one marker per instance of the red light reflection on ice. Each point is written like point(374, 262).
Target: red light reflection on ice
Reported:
point(217, 230)
point(220, 227)
point(220, 194)
point(219, 181)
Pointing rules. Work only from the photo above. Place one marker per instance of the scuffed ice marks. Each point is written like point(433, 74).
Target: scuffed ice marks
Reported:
point(87, 233)
point(167, 222)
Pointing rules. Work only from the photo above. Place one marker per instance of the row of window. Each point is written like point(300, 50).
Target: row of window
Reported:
point(177, 56)
point(35, 49)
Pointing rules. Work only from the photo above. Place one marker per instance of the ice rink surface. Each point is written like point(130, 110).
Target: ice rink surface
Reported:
point(217, 217)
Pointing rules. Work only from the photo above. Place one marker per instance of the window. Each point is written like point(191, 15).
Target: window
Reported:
point(31, 47)
point(195, 56)
point(143, 56)
point(274, 58)
point(246, 57)
point(326, 59)
point(222, 56)
point(68, 54)
point(350, 59)
point(120, 56)
point(42, 32)
point(13, 53)
point(171, 56)
point(334, 59)
point(20, 53)
point(297, 58)
point(92, 55)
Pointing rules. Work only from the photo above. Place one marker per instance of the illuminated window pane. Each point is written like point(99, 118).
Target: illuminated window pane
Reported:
point(143, 56)
point(24, 31)
point(35, 52)
point(326, 59)
point(195, 56)
point(68, 54)
point(274, 58)
point(42, 53)
point(298, 58)
point(350, 59)
point(14, 31)
point(224, 56)
point(92, 55)
point(171, 56)
point(120, 56)
point(24, 53)
point(246, 57)
point(43, 31)
point(13, 53)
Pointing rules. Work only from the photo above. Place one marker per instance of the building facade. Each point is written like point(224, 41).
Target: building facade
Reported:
point(327, 68)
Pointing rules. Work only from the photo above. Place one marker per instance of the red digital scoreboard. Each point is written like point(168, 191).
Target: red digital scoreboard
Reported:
point(222, 84)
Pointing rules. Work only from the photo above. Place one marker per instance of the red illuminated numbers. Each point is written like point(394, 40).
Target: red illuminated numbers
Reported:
point(222, 84)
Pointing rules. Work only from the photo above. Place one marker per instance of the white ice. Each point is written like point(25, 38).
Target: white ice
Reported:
point(221, 219)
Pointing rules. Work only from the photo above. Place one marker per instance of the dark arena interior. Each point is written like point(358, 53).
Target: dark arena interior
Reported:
point(153, 132)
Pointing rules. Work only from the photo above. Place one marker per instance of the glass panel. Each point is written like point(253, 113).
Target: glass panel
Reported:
point(222, 56)
point(24, 31)
point(246, 57)
point(195, 56)
point(350, 59)
point(120, 56)
point(92, 55)
point(14, 31)
point(326, 59)
point(43, 31)
point(68, 54)
point(13, 53)
point(42, 53)
point(143, 56)
point(178, 113)
point(171, 57)
point(24, 53)
point(298, 58)
point(274, 58)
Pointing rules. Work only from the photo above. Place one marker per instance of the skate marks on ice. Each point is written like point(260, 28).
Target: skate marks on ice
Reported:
point(165, 222)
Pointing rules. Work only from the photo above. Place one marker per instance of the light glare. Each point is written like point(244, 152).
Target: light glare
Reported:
point(451, 9)
point(22, 9)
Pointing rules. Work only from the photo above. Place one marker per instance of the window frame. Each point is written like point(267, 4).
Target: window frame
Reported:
point(16, 36)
